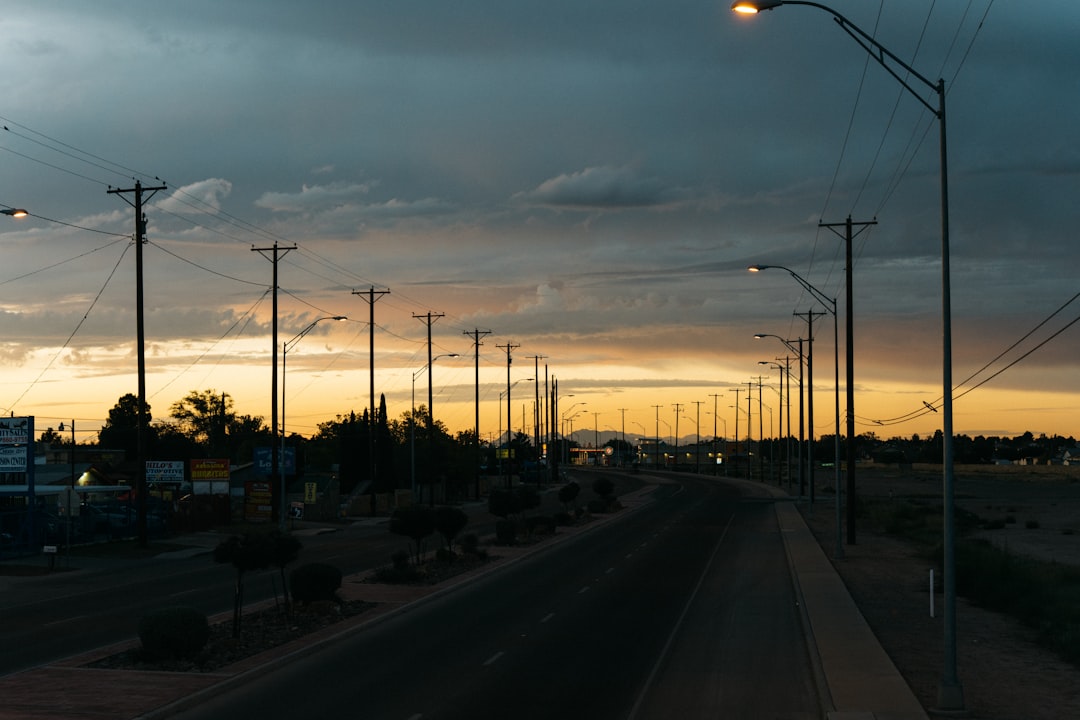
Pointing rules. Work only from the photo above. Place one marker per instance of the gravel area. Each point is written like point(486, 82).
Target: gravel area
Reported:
point(1005, 675)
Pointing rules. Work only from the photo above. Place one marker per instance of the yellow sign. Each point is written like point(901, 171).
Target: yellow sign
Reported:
point(310, 492)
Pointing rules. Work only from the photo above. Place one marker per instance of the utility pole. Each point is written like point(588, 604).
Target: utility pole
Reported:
point(476, 334)
point(509, 348)
point(622, 447)
point(715, 397)
point(429, 319)
point(373, 296)
point(554, 430)
point(736, 406)
point(657, 407)
point(678, 408)
point(810, 315)
point(546, 434)
point(761, 433)
point(697, 448)
point(750, 429)
point(140, 434)
point(536, 407)
point(849, 351)
point(278, 476)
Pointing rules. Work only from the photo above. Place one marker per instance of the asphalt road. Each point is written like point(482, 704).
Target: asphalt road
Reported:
point(101, 599)
point(684, 608)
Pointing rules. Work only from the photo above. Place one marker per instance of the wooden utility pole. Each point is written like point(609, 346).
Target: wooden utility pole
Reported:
point(277, 475)
point(429, 319)
point(509, 348)
point(140, 434)
point(372, 296)
point(476, 334)
point(849, 352)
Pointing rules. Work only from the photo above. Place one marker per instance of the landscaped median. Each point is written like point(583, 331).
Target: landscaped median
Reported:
point(267, 631)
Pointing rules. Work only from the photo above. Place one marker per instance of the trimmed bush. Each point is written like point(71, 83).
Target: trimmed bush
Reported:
point(568, 493)
point(505, 531)
point(400, 560)
point(603, 487)
point(540, 525)
point(173, 632)
point(563, 519)
point(314, 582)
point(598, 507)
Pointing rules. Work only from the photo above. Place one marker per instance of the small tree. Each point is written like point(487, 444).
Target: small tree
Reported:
point(416, 522)
point(450, 521)
point(251, 551)
point(603, 487)
point(283, 548)
point(568, 494)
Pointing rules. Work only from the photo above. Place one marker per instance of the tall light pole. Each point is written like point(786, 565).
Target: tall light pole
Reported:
point(830, 305)
point(798, 350)
point(779, 367)
point(950, 691)
point(285, 347)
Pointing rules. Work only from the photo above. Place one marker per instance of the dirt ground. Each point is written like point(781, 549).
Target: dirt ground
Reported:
point(1003, 673)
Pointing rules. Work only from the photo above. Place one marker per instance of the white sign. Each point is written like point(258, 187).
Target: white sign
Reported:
point(12, 459)
point(165, 471)
point(13, 431)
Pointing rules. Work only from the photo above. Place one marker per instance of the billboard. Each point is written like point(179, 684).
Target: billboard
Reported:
point(210, 476)
point(264, 460)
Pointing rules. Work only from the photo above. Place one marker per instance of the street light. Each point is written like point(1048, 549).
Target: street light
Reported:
point(285, 347)
point(830, 305)
point(14, 212)
point(950, 692)
point(803, 360)
point(412, 424)
point(779, 367)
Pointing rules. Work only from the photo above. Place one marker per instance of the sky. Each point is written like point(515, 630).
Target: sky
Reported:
point(587, 181)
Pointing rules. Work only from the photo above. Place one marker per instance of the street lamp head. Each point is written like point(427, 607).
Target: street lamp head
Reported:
point(759, 268)
point(339, 317)
point(752, 7)
point(758, 336)
point(14, 212)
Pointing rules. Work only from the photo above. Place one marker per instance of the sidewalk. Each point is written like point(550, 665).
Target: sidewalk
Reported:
point(860, 681)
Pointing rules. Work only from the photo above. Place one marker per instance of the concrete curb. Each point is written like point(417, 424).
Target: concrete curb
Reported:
point(861, 680)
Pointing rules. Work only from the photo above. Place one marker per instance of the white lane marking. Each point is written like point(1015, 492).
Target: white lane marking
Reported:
point(494, 658)
point(583, 590)
point(678, 623)
point(417, 716)
point(609, 571)
point(547, 617)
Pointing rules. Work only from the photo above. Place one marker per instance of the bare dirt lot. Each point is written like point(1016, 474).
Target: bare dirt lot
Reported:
point(1005, 675)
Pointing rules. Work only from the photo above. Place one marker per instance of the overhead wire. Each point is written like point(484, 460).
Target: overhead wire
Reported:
point(74, 332)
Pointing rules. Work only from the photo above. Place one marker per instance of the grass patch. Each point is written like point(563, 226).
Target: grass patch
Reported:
point(1044, 596)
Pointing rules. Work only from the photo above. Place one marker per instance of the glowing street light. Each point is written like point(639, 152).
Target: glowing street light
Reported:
point(285, 347)
point(950, 691)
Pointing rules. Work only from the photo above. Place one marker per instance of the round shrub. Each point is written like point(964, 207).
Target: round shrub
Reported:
point(540, 525)
point(173, 632)
point(470, 544)
point(400, 560)
point(505, 531)
point(314, 582)
point(598, 507)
